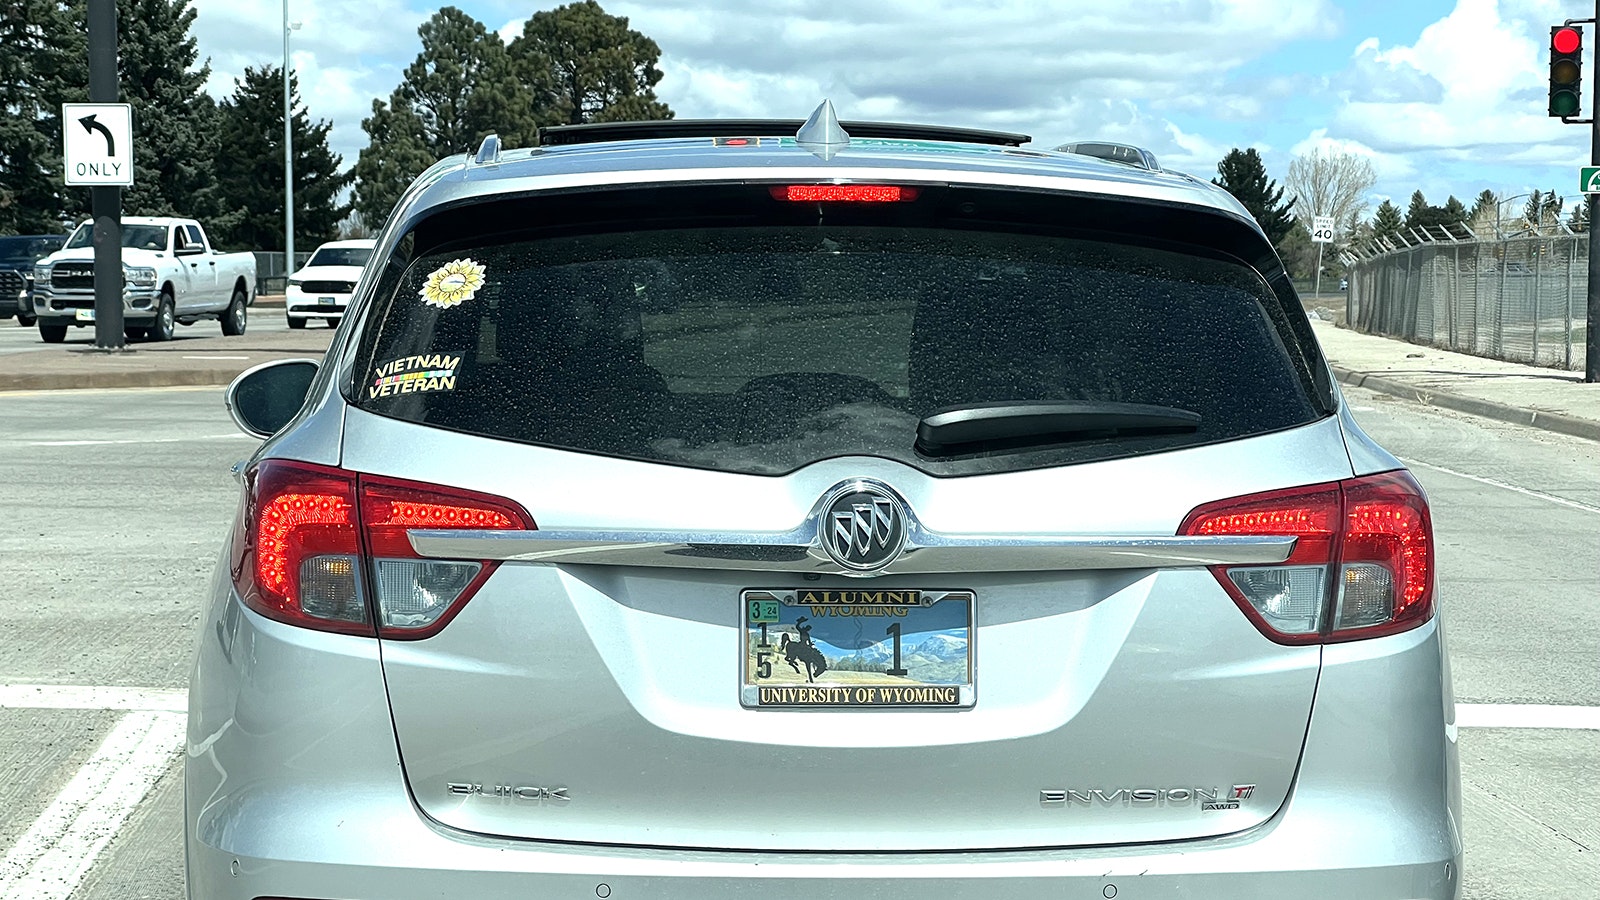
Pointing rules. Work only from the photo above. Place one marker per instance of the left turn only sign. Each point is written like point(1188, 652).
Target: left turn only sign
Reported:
point(97, 144)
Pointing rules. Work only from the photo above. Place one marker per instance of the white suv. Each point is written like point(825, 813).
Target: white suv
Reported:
point(322, 288)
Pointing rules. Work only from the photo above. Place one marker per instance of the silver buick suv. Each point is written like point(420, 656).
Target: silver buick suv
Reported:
point(781, 509)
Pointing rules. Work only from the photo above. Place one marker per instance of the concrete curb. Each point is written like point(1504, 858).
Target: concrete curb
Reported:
point(1488, 409)
point(69, 381)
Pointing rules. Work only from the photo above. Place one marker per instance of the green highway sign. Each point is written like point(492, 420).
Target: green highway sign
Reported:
point(1589, 179)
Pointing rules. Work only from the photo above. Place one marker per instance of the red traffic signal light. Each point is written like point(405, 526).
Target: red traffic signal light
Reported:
point(1566, 40)
point(1566, 70)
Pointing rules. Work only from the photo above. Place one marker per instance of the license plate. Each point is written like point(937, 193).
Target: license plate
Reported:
point(847, 647)
point(325, 301)
point(84, 315)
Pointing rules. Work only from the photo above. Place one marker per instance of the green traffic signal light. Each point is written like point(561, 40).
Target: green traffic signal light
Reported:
point(1566, 70)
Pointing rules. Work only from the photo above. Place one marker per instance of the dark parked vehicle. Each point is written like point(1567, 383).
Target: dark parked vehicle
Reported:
point(17, 256)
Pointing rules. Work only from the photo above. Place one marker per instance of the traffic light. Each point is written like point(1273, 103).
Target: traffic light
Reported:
point(1566, 70)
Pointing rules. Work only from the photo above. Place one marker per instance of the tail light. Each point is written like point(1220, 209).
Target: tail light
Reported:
point(844, 193)
point(1362, 564)
point(326, 548)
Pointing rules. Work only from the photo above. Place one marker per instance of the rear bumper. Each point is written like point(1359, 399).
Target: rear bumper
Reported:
point(294, 788)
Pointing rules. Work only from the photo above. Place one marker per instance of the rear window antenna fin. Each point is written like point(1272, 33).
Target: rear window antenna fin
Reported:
point(1127, 154)
point(822, 134)
point(488, 151)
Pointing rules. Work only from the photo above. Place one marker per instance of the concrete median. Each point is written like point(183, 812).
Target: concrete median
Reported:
point(185, 360)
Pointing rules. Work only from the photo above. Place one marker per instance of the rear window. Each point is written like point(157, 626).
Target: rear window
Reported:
point(762, 346)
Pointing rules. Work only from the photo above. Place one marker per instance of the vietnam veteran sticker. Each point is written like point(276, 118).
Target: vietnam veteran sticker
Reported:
point(415, 375)
point(452, 284)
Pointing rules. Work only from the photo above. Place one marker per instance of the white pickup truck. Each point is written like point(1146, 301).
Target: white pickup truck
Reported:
point(170, 276)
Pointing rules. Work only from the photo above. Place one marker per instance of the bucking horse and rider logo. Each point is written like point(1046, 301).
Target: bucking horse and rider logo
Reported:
point(798, 651)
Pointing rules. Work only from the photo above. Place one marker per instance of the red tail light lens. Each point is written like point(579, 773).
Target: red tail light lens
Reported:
point(1362, 567)
point(844, 193)
point(309, 530)
point(297, 558)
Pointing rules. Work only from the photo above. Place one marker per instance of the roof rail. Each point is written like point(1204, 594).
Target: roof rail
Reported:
point(1128, 154)
point(563, 135)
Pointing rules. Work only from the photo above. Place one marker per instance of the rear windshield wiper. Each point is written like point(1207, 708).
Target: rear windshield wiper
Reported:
point(1021, 424)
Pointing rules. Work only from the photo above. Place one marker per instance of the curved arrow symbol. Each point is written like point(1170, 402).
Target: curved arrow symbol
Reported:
point(90, 125)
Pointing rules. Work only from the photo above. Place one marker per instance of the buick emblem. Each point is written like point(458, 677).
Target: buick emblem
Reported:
point(863, 527)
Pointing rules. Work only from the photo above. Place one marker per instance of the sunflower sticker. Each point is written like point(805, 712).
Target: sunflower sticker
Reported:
point(452, 284)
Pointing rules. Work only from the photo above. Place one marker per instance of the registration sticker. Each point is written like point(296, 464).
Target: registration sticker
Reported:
point(857, 648)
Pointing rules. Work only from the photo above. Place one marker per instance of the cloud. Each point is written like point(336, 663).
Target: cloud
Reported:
point(1388, 166)
point(1050, 69)
point(345, 53)
point(1472, 80)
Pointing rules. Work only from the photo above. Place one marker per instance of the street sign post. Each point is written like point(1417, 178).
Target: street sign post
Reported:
point(97, 144)
point(100, 138)
point(1322, 234)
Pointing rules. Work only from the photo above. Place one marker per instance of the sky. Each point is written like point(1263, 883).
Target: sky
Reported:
point(1447, 96)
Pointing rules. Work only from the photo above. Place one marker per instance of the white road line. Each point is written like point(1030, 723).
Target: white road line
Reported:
point(1517, 715)
point(176, 440)
point(52, 856)
point(1510, 487)
point(71, 696)
point(216, 357)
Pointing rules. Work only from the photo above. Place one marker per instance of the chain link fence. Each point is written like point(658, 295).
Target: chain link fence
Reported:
point(1521, 299)
point(270, 275)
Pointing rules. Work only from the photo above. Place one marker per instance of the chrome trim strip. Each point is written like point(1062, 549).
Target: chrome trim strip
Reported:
point(800, 550)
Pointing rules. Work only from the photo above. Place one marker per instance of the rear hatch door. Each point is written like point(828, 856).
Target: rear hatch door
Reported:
point(690, 415)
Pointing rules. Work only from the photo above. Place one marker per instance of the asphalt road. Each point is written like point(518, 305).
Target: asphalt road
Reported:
point(16, 339)
point(113, 507)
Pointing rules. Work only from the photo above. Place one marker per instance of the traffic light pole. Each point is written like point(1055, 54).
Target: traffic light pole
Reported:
point(1591, 331)
point(1591, 341)
point(105, 203)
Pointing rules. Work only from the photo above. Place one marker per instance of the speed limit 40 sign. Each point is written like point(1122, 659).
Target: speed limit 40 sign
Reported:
point(1322, 229)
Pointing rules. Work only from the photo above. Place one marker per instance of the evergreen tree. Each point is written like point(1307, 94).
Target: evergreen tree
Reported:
point(1533, 210)
point(1243, 174)
point(250, 173)
point(588, 66)
point(44, 64)
point(1417, 214)
point(1578, 222)
point(1386, 223)
point(1427, 218)
point(1486, 202)
point(174, 120)
point(462, 86)
point(396, 153)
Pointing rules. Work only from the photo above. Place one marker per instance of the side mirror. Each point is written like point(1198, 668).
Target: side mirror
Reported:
point(262, 400)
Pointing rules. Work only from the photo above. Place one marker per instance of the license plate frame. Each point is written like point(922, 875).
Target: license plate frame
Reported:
point(845, 628)
point(83, 315)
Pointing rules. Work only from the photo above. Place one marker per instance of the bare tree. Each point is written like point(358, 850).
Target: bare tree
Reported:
point(1331, 183)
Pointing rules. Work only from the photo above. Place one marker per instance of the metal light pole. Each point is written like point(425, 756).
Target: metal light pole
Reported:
point(288, 157)
point(1498, 205)
point(105, 203)
point(1591, 366)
